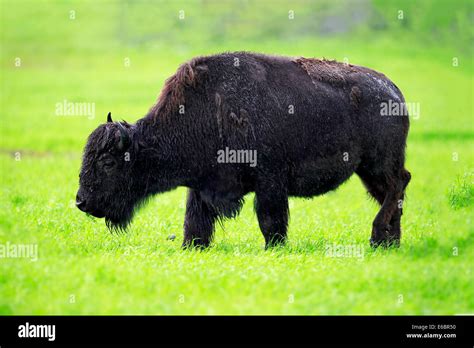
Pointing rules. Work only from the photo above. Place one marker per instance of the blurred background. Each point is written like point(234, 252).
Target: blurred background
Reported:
point(117, 54)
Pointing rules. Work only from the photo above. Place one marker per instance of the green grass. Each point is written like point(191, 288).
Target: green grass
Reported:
point(83, 269)
point(461, 193)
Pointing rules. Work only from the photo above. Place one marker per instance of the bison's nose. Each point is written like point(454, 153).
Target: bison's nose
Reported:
point(80, 203)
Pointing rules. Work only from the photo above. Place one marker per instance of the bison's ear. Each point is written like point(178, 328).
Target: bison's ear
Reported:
point(122, 137)
point(109, 117)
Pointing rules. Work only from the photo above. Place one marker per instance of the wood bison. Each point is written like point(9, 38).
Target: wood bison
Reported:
point(233, 123)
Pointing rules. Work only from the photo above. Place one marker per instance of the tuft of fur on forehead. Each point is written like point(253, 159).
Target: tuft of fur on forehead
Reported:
point(103, 137)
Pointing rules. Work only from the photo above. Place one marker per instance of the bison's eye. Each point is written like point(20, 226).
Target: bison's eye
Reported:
point(108, 164)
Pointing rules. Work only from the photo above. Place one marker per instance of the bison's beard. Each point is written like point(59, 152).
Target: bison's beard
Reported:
point(116, 225)
point(120, 219)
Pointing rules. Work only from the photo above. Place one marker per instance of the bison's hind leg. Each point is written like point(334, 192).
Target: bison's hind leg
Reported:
point(389, 191)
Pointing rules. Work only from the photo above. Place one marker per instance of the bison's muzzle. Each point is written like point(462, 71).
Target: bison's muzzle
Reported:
point(82, 205)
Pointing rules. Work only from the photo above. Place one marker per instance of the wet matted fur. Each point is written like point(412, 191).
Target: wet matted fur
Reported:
point(312, 124)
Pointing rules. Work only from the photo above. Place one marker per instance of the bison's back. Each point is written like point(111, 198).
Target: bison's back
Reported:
point(316, 120)
point(298, 104)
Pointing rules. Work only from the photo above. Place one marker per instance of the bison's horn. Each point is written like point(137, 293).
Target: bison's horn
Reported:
point(124, 137)
point(109, 117)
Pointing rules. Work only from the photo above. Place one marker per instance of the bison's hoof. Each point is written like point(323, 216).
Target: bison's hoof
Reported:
point(275, 244)
point(195, 245)
point(385, 243)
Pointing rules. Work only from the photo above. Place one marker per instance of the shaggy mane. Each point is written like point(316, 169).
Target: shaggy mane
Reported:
point(172, 93)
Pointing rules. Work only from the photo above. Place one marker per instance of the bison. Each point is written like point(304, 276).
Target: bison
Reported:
point(228, 124)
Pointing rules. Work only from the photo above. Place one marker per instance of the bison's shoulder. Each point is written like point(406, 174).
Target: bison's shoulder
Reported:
point(189, 75)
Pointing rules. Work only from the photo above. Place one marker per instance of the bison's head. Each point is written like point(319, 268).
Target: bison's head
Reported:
point(108, 180)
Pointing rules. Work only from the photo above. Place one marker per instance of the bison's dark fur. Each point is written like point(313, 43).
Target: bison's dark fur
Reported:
point(313, 123)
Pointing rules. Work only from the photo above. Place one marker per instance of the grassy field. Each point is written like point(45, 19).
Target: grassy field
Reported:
point(118, 55)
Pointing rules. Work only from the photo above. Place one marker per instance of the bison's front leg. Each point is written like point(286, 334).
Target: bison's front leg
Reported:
point(271, 205)
point(198, 222)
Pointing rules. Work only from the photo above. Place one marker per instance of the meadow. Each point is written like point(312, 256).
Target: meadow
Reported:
point(117, 55)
